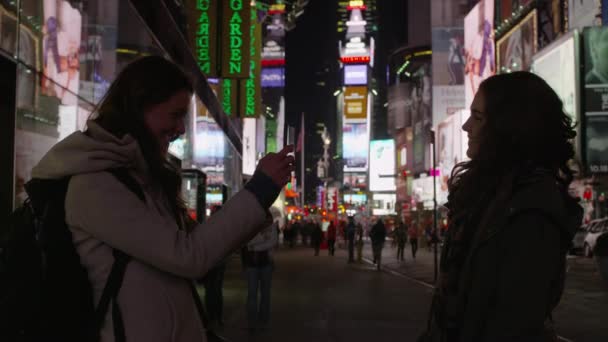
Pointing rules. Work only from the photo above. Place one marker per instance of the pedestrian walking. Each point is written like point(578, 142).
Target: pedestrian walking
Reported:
point(214, 288)
point(378, 237)
point(359, 236)
point(350, 236)
point(511, 217)
point(412, 233)
point(331, 238)
point(138, 219)
point(259, 265)
point(400, 235)
point(316, 237)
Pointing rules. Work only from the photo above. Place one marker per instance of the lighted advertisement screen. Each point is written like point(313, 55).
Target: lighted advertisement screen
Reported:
point(384, 204)
point(355, 102)
point(515, 49)
point(583, 13)
point(355, 181)
point(382, 165)
point(355, 199)
point(450, 151)
point(355, 144)
point(596, 98)
point(249, 146)
point(557, 65)
point(209, 146)
point(355, 74)
point(273, 77)
point(479, 47)
point(60, 52)
point(448, 56)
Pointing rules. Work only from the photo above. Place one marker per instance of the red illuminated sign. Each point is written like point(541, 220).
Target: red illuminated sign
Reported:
point(276, 9)
point(273, 62)
point(355, 60)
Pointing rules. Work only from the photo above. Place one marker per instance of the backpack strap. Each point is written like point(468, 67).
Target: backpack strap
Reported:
point(114, 282)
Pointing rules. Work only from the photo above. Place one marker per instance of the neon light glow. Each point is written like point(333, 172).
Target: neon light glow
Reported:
point(273, 62)
point(227, 96)
point(355, 59)
point(203, 53)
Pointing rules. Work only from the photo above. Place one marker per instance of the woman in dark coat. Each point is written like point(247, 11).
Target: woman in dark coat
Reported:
point(511, 218)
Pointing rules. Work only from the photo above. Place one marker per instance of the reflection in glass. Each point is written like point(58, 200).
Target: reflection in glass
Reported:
point(8, 27)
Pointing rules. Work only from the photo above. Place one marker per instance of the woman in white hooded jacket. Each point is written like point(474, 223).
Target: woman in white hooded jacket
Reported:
point(143, 111)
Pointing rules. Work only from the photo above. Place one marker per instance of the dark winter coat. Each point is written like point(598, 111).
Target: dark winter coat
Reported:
point(513, 277)
point(378, 233)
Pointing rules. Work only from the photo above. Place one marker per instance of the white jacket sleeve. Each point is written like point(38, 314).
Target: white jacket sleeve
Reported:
point(103, 207)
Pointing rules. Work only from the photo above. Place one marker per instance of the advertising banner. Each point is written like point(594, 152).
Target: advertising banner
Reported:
point(273, 77)
point(558, 65)
point(382, 165)
point(236, 38)
point(596, 98)
point(249, 146)
point(355, 74)
point(251, 88)
point(355, 142)
point(447, 100)
point(479, 47)
point(355, 181)
point(399, 106)
point(448, 56)
point(449, 152)
point(583, 13)
point(203, 23)
point(355, 103)
point(60, 54)
point(515, 49)
point(384, 204)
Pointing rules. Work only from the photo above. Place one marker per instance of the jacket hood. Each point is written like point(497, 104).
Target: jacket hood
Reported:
point(542, 193)
point(95, 151)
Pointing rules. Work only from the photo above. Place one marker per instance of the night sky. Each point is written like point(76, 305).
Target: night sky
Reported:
point(312, 75)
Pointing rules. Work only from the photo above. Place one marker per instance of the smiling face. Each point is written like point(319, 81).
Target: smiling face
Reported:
point(475, 124)
point(166, 120)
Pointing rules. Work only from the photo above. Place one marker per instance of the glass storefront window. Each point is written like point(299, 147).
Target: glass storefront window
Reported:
point(8, 26)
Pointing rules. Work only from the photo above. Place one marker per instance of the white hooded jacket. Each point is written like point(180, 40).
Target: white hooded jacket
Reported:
point(155, 297)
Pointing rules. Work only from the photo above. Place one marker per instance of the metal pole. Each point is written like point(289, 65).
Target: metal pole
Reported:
point(302, 161)
point(434, 173)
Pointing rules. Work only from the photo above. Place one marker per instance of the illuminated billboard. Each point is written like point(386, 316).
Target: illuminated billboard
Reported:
point(273, 77)
point(61, 52)
point(209, 145)
point(384, 204)
point(236, 38)
point(479, 47)
point(355, 102)
point(515, 49)
point(557, 64)
point(382, 165)
point(584, 13)
point(355, 75)
point(355, 145)
point(596, 98)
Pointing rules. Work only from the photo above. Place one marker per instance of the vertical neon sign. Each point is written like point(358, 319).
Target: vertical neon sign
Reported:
point(235, 38)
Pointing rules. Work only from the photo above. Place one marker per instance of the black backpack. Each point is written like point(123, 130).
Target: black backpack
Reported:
point(45, 293)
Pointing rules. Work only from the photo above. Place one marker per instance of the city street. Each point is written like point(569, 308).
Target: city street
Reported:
point(325, 299)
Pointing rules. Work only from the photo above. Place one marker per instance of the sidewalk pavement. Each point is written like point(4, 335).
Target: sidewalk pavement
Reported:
point(580, 316)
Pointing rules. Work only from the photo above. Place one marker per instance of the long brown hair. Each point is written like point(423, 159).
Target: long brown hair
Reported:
point(525, 128)
point(146, 82)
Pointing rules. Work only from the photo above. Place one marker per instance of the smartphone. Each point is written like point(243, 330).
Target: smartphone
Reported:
point(291, 137)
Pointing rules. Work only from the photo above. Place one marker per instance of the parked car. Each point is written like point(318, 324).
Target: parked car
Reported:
point(595, 229)
point(578, 242)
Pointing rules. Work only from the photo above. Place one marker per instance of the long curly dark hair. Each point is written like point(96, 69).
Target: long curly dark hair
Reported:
point(146, 82)
point(525, 128)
